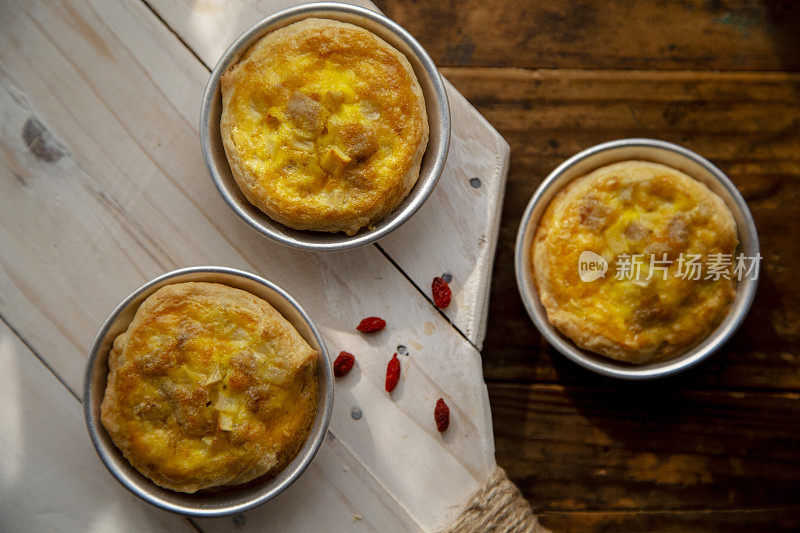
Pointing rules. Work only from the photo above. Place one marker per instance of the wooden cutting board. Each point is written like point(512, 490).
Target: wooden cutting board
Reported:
point(103, 187)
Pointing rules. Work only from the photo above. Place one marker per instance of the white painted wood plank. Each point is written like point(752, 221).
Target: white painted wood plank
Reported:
point(85, 221)
point(456, 231)
point(128, 197)
point(353, 501)
point(50, 477)
point(208, 27)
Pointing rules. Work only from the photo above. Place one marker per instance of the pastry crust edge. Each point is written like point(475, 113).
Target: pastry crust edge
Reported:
point(247, 181)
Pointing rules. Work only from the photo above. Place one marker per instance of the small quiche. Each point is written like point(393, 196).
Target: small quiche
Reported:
point(324, 126)
point(209, 386)
point(640, 310)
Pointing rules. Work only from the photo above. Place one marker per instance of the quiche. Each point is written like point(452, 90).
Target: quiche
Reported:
point(209, 386)
point(648, 224)
point(324, 126)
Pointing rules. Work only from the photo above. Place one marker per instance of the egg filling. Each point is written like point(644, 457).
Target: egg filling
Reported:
point(324, 125)
point(209, 386)
point(657, 231)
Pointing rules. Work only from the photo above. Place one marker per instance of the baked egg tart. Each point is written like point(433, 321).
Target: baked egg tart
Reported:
point(209, 387)
point(324, 126)
point(646, 226)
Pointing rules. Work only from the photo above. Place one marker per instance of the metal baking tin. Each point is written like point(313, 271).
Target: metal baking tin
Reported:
point(658, 152)
point(217, 502)
point(432, 162)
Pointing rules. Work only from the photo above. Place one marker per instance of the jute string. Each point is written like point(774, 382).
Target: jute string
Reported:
point(498, 506)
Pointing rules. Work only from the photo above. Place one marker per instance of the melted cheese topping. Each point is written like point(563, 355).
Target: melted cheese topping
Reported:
point(209, 386)
point(617, 212)
point(325, 121)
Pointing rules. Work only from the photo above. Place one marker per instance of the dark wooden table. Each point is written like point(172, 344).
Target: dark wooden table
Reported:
point(717, 448)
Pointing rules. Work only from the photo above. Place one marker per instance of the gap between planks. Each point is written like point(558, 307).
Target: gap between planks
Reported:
point(624, 71)
point(38, 356)
point(630, 386)
point(423, 294)
point(607, 383)
point(394, 264)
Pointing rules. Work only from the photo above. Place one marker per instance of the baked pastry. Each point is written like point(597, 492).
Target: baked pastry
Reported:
point(209, 386)
point(639, 310)
point(324, 126)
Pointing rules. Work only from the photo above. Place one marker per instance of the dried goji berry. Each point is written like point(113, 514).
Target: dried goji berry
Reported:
point(371, 325)
point(343, 364)
point(392, 373)
point(441, 293)
point(442, 415)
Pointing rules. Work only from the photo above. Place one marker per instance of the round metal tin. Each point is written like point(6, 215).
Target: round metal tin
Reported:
point(432, 162)
point(647, 150)
point(223, 501)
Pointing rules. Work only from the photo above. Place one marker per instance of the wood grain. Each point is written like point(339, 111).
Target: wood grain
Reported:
point(747, 124)
point(692, 34)
point(774, 520)
point(631, 457)
point(103, 187)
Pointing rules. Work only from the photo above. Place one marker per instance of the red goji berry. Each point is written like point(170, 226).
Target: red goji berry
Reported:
point(392, 373)
point(441, 293)
point(441, 414)
point(343, 364)
point(371, 325)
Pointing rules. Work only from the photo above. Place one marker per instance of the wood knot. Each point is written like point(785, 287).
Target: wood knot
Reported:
point(40, 142)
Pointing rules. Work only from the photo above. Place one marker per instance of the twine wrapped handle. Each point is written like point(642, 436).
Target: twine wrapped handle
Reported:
point(497, 506)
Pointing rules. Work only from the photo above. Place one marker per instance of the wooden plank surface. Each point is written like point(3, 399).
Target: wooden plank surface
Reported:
point(104, 187)
point(647, 448)
point(775, 520)
point(617, 34)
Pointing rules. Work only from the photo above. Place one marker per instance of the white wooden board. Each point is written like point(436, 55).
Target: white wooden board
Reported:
point(102, 186)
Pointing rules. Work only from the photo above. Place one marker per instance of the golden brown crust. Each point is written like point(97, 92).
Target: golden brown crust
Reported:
point(627, 208)
point(324, 126)
point(209, 386)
